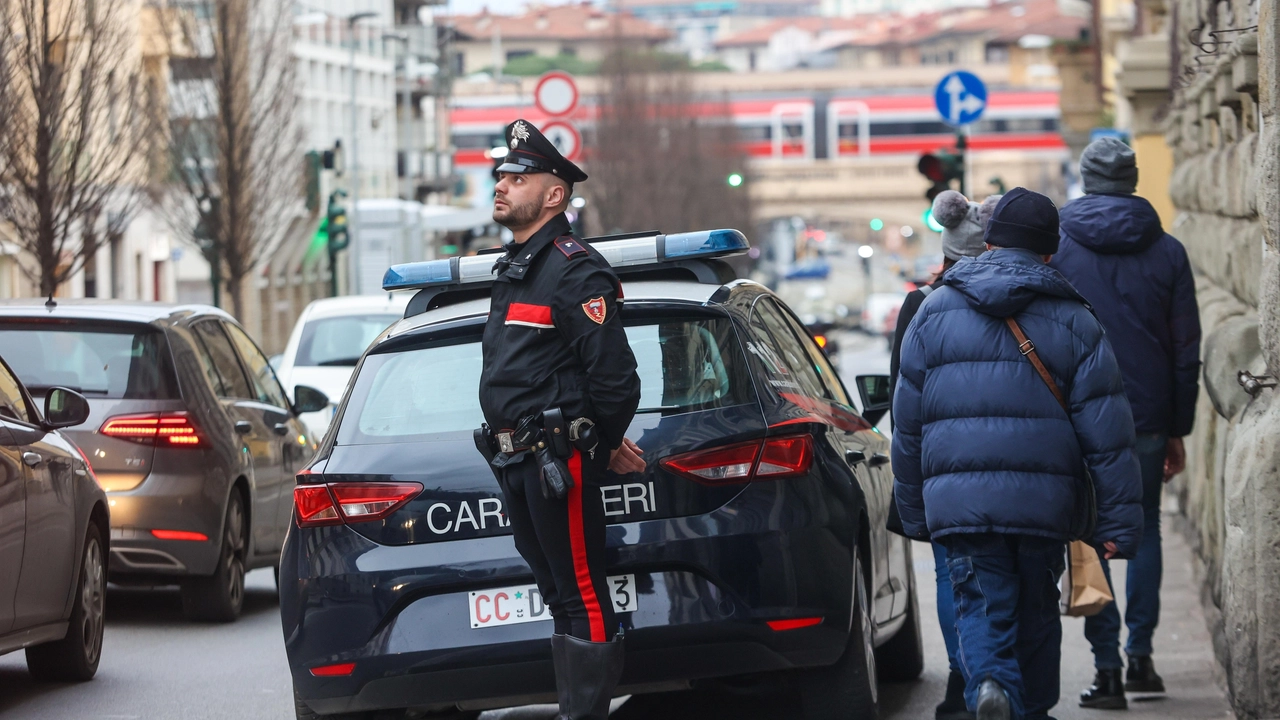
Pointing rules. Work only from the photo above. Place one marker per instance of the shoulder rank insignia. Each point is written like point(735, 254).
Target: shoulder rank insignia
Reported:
point(570, 247)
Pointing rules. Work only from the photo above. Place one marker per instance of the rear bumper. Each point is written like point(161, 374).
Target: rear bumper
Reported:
point(706, 585)
point(163, 501)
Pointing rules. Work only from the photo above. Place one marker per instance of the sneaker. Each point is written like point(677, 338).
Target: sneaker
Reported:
point(1107, 692)
point(1141, 676)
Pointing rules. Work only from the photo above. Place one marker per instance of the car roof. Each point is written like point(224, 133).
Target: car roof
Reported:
point(635, 292)
point(358, 305)
point(106, 310)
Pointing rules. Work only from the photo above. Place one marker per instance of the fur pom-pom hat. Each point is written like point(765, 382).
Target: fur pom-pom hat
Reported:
point(963, 223)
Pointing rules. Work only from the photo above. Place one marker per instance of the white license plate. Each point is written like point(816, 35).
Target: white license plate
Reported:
point(523, 603)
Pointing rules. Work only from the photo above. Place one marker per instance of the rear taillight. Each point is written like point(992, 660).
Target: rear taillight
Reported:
point(158, 429)
point(336, 503)
point(769, 459)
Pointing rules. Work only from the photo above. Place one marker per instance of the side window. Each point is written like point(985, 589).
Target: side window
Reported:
point(826, 373)
point(233, 382)
point(789, 365)
point(265, 385)
point(12, 404)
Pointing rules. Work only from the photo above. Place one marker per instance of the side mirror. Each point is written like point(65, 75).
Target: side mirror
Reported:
point(874, 391)
point(308, 399)
point(64, 408)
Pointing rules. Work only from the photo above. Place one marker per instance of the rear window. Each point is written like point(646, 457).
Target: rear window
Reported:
point(106, 361)
point(685, 365)
point(340, 341)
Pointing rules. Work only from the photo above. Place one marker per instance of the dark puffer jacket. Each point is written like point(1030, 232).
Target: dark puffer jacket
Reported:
point(1139, 281)
point(980, 444)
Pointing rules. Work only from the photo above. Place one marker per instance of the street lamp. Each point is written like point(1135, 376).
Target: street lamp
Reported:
point(353, 222)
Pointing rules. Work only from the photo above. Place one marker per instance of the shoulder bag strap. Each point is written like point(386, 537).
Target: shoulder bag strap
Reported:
point(1028, 349)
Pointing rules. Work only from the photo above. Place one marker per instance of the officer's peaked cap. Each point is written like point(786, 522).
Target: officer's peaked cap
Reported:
point(529, 151)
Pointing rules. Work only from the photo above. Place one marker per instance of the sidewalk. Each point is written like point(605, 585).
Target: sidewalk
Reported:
point(1183, 651)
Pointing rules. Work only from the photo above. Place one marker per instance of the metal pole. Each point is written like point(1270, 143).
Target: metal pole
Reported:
point(353, 214)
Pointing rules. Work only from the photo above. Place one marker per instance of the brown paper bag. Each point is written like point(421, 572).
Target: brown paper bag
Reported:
point(1085, 590)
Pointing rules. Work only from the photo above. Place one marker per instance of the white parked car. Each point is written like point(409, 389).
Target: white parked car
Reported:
point(328, 340)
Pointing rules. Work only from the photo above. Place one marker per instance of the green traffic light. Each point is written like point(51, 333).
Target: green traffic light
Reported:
point(927, 217)
point(877, 224)
point(734, 179)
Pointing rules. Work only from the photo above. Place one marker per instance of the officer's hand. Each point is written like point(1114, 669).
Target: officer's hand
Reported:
point(626, 459)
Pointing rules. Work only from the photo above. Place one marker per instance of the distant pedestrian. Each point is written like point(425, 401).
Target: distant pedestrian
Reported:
point(1117, 255)
point(962, 223)
point(988, 463)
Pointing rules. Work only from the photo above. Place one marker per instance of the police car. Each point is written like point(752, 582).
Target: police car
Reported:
point(753, 544)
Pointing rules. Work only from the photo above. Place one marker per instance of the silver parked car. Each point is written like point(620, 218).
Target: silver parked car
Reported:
point(190, 434)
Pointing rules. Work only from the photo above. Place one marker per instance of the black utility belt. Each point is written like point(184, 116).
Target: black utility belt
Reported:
point(549, 437)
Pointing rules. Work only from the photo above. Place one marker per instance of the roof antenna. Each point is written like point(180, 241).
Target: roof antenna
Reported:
point(50, 303)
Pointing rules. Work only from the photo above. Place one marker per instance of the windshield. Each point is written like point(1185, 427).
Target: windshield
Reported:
point(340, 341)
point(684, 365)
point(96, 360)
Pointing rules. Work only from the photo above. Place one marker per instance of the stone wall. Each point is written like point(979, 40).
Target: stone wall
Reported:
point(1222, 128)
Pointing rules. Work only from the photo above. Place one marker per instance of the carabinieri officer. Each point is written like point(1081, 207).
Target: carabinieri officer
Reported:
point(558, 389)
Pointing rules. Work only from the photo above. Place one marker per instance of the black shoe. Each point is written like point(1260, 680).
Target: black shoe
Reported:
point(1107, 692)
point(952, 706)
point(993, 702)
point(1141, 676)
point(586, 675)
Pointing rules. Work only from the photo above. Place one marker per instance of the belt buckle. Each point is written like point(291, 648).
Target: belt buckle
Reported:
point(505, 444)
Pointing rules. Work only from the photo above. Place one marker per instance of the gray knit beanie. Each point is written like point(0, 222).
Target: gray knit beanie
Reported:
point(1109, 166)
point(962, 225)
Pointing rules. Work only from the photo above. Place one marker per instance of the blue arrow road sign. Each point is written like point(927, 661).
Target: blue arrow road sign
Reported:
point(961, 97)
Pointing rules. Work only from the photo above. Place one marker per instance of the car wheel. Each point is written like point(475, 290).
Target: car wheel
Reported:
point(75, 657)
point(902, 658)
point(846, 690)
point(219, 597)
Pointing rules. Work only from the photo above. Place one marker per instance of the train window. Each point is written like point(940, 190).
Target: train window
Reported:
point(920, 127)
point(476, 142)
point(755, 133)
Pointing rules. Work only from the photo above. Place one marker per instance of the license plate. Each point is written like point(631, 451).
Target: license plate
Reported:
point(523, 603)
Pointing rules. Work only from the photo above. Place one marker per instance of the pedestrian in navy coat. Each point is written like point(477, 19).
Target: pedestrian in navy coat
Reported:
point(1137, 276)
point(988, 462)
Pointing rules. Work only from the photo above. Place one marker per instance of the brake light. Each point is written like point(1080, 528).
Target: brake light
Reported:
point(160, 430)
point(336, 503)
point(793, 623)
point(338, 670)
point(768, 459)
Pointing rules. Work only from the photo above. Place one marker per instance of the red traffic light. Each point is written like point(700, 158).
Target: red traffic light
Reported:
point(931, 166)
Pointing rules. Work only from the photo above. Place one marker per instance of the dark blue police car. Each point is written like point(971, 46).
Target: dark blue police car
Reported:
point(752, 545)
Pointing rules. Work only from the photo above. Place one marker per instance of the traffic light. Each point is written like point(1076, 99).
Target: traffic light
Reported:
point(940, 168)
point(734, 179)
point(877, 224)
point(336, 223)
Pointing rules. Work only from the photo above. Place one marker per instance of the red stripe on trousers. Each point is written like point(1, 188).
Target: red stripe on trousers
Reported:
point(524, 312)
point(578, 541)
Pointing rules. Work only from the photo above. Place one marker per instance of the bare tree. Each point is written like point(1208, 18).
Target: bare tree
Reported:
point(72, 120)
point(232, 138)
point(662, 157)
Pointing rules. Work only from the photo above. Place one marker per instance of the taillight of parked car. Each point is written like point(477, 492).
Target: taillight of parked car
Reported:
point(158, 429)
point(335, 503)
point(768, 459)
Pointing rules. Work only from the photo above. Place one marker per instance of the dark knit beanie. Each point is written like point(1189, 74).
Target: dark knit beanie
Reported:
point(1109, 166)
point(1024, 219)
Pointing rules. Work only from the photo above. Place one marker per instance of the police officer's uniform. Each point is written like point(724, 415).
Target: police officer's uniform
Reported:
point(554, 340)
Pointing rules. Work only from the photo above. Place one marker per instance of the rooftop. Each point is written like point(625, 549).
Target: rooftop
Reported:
point(559, 22)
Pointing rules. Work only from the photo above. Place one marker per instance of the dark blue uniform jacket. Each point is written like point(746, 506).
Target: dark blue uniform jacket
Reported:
point(1139, 282)
point(980, 443)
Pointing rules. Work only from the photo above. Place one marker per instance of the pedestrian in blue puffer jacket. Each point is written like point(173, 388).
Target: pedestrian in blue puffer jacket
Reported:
point(987, 461)
point(1137, 276)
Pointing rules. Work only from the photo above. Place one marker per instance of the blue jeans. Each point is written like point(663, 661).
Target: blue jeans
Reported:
point(1142, 588)
point(1006, 598)
point(946, 606)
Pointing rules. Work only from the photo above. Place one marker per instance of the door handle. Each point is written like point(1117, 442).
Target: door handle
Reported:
point(853, 457)
point(32, 459)
point(244, 427)
point(280, 429)
point(878, 459)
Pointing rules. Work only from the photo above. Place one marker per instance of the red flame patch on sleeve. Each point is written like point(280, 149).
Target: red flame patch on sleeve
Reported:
point(595, 309)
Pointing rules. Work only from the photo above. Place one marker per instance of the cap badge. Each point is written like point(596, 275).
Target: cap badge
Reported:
point(595, 309)
point(519, 132)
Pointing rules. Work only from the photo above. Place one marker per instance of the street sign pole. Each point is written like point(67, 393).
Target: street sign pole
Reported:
point(961, 98)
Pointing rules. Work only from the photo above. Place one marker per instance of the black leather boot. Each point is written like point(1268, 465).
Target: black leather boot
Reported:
point(1106, 693)
point(1141, 676)
point(993, 702)
point(952, 706)
point(586, 675)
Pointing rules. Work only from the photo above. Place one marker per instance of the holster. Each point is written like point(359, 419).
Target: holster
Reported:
point(557, 433)
point(483, 438)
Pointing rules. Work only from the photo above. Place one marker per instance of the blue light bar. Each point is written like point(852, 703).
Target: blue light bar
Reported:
point(624, 252)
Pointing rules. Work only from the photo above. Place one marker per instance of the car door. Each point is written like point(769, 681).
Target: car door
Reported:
point(253, 423)
point(13, 506)
point(288, 431)
point(49, 544)
point(811, 390)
